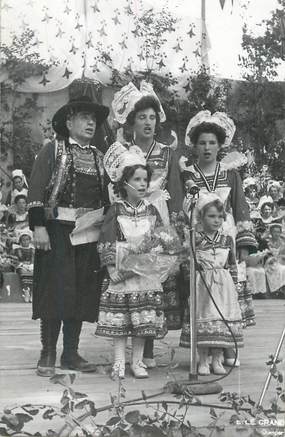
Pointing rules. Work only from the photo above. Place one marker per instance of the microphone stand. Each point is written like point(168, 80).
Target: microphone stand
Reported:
point(193, 375)
point(192, 383)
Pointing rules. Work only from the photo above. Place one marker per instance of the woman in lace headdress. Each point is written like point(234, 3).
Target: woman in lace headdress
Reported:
point(207, 134)
point(140, 111)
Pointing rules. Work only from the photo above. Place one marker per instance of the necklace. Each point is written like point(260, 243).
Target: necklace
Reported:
point(150, 149)
point(135, 209)
point(203, 177)
point(212, 241)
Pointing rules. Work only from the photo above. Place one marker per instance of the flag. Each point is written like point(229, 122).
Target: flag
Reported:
point(205, 46)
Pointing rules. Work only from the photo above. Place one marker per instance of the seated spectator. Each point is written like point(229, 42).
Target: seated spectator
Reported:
point(20, 214)
point(20, 186)
point(250, 191)
point(280, 218)
point(260, 236)
point(275, 264)
point(255, 272)
point(24, 251)
point(266, 212)
point(275, 239)
point(8, 261)
point(273, 194)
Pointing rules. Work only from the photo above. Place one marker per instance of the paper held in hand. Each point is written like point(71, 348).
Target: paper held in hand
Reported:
point(87, 227)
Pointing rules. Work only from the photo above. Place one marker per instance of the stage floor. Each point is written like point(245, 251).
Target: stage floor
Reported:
point(20, 346)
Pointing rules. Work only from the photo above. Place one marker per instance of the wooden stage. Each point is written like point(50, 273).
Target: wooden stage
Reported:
point(20, 346)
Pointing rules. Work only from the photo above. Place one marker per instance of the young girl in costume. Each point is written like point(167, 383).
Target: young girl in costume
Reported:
point(217, 268)
point(140, 113)
point(131, 305)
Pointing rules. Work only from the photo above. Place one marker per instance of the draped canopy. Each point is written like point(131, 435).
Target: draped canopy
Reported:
point(103, 39)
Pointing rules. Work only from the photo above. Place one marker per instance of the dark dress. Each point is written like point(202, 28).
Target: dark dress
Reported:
point(67, 279)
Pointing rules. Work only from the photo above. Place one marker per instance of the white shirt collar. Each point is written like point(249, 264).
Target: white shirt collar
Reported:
point(72, 142)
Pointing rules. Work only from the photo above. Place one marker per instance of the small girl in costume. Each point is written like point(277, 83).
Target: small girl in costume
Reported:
point(217, 265)
point(131, 305)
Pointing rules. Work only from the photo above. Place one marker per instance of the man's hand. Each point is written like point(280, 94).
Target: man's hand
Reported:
point(41, 238)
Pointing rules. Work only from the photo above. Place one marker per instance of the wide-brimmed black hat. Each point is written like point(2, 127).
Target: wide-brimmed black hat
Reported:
point(80, 103)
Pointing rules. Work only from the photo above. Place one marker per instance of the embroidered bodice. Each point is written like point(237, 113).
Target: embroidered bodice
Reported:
point(135, 223)
point(218, 182)
point(159, 162)
point(83, 182)
point(123, 222)
point(216, 253)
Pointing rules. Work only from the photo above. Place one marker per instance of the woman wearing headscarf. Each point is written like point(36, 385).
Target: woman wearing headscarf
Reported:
point(20, 186)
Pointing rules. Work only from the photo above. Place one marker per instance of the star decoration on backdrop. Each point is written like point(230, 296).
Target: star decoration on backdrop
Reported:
point(73, 49)
point(191, 32)
point(78, 26)
point(183, 68)
point(67, 73)
point(187, 87)
point(95, 68)
point(95, 7)
point(178, 47)
point(123, 44)
point(67, 10)
point(196, 53)
point(46, 18)
point(161, 64)
point(60, 32)
point(89, 43)
point(44, 80)
point(102, 31)
point(136, 32)
point(116, 20)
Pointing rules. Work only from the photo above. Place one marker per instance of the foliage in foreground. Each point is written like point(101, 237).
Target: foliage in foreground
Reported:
point(167, 418)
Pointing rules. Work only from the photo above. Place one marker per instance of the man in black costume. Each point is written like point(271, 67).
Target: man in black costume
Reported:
point(67, 196)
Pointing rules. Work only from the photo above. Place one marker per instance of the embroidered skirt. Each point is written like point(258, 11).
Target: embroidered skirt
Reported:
point(175, 301)
point(137, 314)
point(211, 329)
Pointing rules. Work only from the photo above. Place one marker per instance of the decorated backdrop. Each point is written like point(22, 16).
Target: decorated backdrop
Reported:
point(103, 39)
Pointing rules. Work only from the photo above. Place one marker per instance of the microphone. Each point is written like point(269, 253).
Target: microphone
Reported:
point(131, 186)
point(191, 188)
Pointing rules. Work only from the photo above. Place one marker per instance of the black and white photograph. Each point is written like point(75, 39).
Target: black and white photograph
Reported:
point(142, 218)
